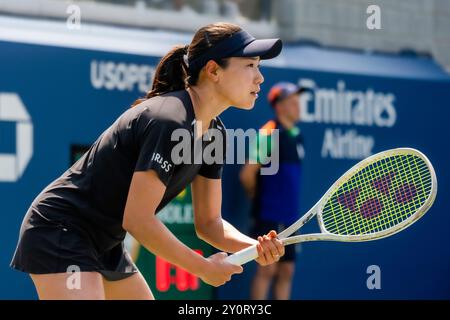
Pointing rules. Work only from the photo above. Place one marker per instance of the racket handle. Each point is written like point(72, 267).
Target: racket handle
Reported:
point(243, 256)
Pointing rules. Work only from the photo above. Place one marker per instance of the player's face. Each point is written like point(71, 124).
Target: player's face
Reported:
point(240, 82)
point(290, 107)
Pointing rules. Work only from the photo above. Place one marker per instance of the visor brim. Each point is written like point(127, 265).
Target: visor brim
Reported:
point(264, 49)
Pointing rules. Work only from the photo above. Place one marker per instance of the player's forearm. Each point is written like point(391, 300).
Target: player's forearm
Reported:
point(223, 236)
point(156, 238)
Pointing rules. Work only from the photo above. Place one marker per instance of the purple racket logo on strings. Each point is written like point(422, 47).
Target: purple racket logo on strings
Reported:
point(373, 207)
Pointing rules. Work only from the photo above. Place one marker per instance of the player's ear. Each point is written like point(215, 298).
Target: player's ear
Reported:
point(211, 69)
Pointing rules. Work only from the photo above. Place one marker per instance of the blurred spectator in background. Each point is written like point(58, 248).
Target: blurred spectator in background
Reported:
point(275, 198)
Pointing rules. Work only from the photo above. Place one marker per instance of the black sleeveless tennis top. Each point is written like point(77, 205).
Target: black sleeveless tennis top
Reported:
point(91, 195)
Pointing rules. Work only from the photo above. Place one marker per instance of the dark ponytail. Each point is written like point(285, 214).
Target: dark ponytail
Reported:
point(172, 72)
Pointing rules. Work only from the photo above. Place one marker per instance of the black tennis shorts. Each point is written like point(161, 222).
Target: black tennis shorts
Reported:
point(261, 227)
point(46, 246)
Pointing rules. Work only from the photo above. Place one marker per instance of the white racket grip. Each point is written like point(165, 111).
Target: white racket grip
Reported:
point(243, 256)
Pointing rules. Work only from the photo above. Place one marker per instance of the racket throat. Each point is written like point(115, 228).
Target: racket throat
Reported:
point(314, 237)
point(298, 224)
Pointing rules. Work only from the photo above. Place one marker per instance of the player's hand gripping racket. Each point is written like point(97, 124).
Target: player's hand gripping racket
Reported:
point(379, 196)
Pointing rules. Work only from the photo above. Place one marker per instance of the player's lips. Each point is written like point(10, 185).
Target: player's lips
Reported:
point(255, 93)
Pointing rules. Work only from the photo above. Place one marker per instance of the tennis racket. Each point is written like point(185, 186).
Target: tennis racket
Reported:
point(378, 197)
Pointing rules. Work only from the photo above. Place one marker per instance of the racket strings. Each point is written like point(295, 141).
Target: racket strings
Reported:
point(372, 207)
point(404, 192)
point(395, 219)
point(379, 196)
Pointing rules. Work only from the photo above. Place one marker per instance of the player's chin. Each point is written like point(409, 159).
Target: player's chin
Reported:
point(246, 105)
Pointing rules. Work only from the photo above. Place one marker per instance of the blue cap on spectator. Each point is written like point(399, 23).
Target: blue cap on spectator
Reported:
point(282, 90)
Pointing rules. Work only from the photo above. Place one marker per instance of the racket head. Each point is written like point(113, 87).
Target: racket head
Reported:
point(379, 196)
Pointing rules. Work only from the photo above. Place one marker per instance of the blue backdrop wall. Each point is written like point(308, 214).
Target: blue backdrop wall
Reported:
point(72, 95)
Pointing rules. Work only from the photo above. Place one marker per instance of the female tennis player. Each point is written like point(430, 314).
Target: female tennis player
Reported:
point(79, 222)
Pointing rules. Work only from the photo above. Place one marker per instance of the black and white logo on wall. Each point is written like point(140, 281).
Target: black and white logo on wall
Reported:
point(12, 165)
point(342, 112)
